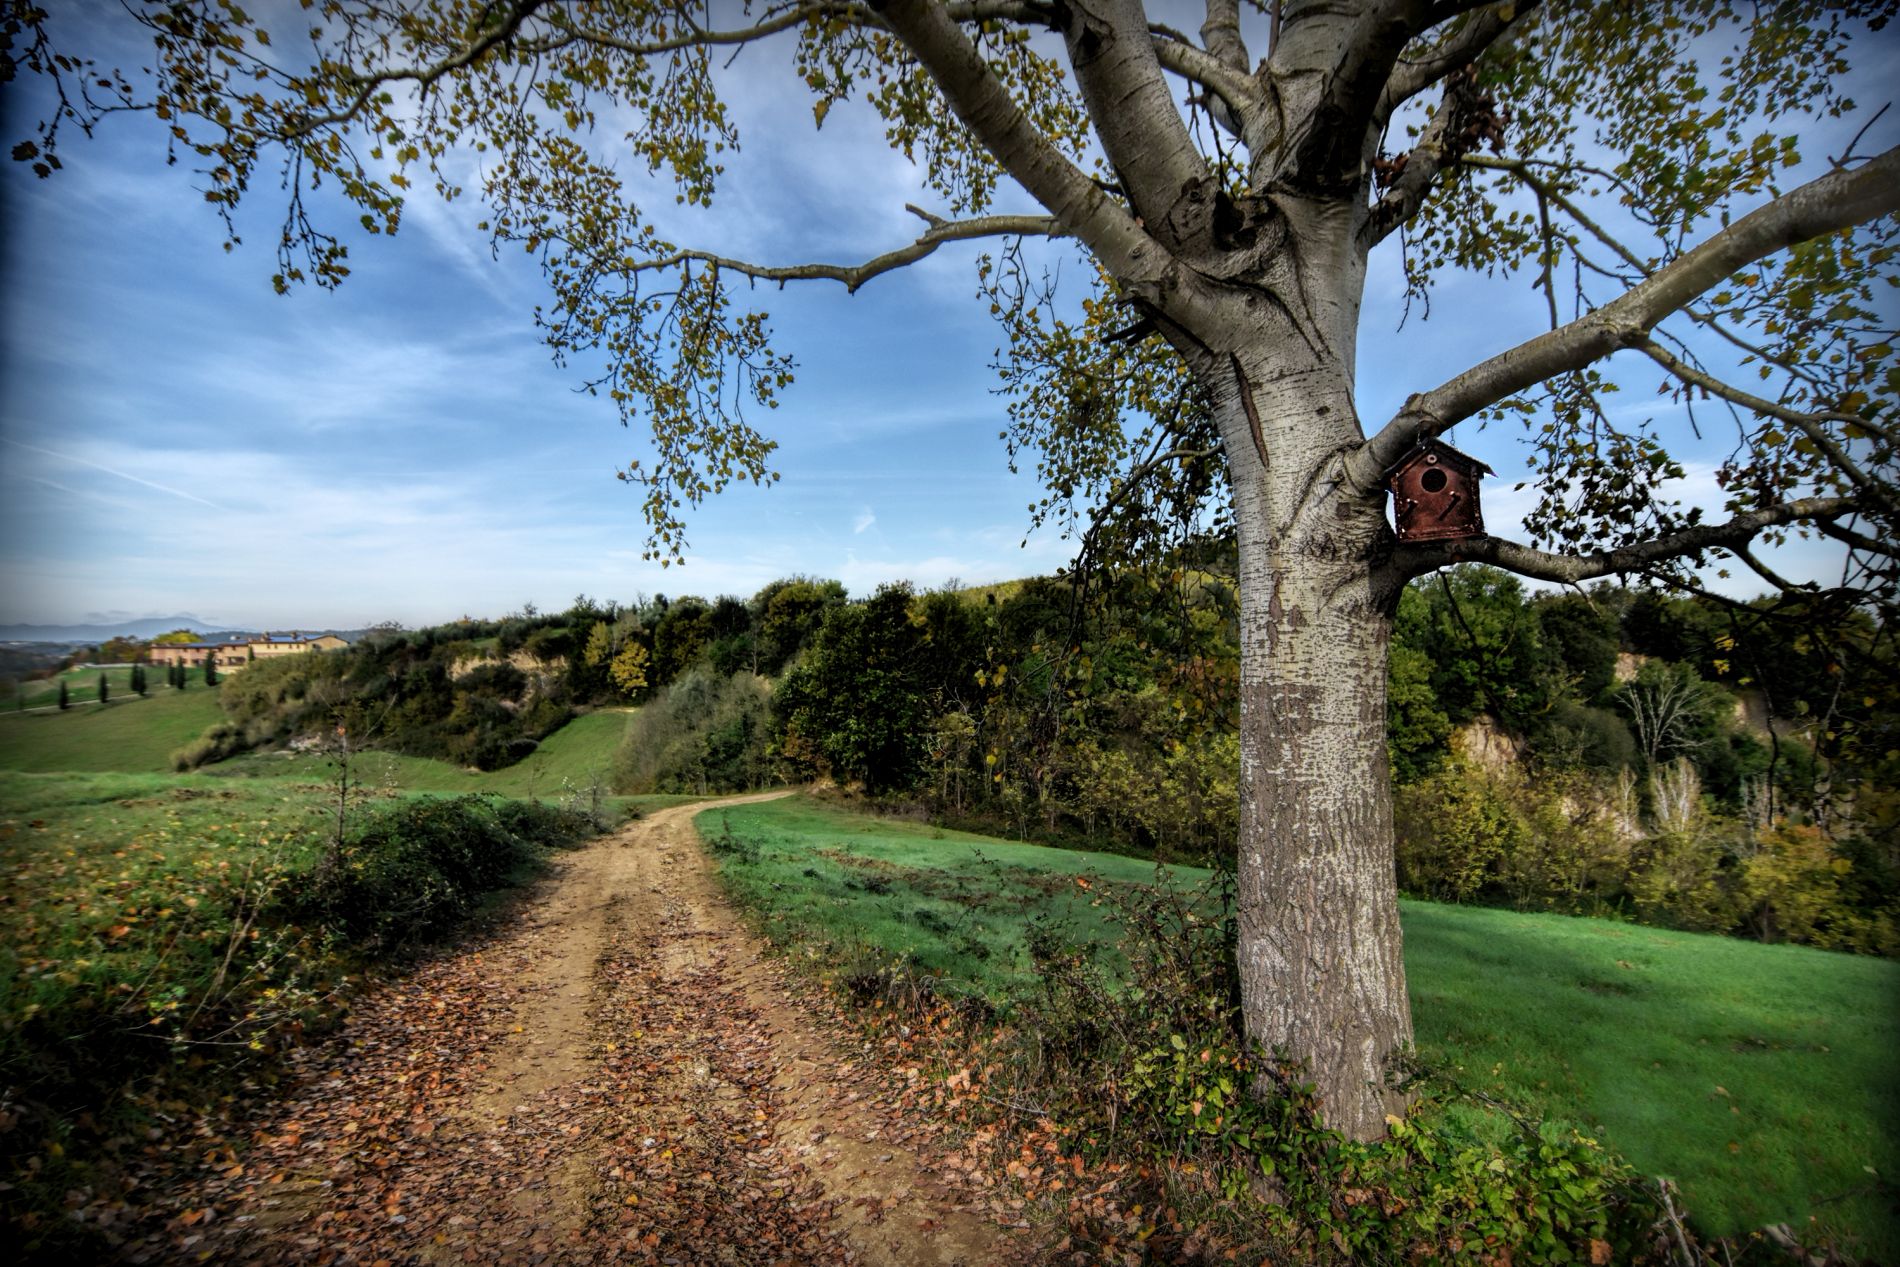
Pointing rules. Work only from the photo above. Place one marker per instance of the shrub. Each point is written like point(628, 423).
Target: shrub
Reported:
point(555, 826)
point(411, 871)
point(1579, 735)
point(220, 740)
point(701, 734)
point(1455, 828)
point(498, 678)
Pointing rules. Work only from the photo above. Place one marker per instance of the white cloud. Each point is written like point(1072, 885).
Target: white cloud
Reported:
point(865, 518)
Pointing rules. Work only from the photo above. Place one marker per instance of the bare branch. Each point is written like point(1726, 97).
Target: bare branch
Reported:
point(691, 35)
point(1825, 205)
point(1419, 558)
point(1767, 573)
point(985, 107)
point(853, 276)
point(422, 76)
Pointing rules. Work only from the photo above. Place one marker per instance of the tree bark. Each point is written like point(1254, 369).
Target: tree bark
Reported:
point(1321, 969)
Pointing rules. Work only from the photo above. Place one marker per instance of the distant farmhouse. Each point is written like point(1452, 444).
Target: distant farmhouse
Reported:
point(235, 653)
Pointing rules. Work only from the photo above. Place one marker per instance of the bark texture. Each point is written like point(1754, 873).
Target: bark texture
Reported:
point(1321, 966)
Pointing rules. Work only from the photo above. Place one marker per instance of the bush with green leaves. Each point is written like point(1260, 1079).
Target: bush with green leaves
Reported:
point(410, 871)
point(220, 740)
point(702, 734)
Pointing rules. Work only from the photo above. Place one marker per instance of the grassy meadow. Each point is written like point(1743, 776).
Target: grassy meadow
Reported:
point(568, 762)
point(82, 686)
point(128, 734)
point(1758, 1077)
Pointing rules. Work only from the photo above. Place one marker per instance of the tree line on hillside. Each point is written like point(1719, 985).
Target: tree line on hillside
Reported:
point(1684, 761)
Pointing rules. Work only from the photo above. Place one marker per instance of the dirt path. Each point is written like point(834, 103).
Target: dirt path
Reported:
point(618, 1076)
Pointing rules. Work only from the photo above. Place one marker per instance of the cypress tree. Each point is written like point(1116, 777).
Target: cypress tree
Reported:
point(138, 679)
point(64, 703)
point(105, 689)
point(211, 668)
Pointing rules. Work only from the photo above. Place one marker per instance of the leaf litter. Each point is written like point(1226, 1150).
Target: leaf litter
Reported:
point(618, 1073)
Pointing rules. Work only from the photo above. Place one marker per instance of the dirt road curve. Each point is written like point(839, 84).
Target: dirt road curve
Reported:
point(616, 1077)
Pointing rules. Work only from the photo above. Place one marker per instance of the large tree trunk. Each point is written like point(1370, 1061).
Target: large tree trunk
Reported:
point(1322, 976)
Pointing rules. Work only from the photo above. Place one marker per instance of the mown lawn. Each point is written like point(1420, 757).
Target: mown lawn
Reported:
point(1758, 1077)
point(128, 734)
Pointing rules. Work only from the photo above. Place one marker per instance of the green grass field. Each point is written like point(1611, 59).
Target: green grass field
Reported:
point(128, 734)
point(1758, 1077)
point(82, 686)
point(567, 763)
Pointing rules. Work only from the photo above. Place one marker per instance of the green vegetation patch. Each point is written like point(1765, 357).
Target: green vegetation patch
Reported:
point(162, 931)
point(568, 762)
point(129, 734)
point(1758, 1077)
point(946, 902)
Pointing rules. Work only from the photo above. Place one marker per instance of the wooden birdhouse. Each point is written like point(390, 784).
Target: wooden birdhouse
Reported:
point(1435, 493)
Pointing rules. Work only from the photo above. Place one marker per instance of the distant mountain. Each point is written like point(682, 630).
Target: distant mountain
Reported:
point(150, 627)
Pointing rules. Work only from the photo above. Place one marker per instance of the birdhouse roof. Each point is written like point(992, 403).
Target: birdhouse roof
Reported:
point(1445, 453)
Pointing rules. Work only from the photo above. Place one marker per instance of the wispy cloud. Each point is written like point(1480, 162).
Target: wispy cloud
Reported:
point(113, 471)
point(865, 518)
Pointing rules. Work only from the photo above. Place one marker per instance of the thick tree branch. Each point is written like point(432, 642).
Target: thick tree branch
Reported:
point(1458, 50)
point(1236, 89)
point(985, 107)
point(1220, 33)
point(1831, 203)
point(1438, 144)
point(1136, 120)
point(1422, 557)
point(1524, 171)
point(853, 276)
point(1334, 61)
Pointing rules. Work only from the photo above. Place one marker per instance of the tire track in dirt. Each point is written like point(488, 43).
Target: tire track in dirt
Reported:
point(616, 1075)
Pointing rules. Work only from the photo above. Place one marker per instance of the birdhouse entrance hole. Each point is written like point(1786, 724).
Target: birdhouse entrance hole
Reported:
point(1434, 481)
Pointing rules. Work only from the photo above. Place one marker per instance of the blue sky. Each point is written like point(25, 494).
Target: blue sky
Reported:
point(176, 437)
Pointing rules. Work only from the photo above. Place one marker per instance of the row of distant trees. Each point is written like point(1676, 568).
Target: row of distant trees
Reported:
point(177, 676)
